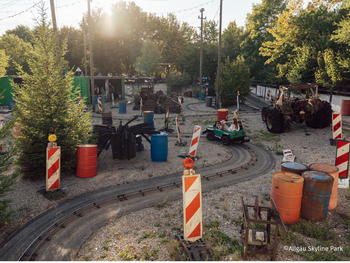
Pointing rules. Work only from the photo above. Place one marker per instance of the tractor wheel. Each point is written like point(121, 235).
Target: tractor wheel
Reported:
point(263, 113)
point(286, 124)
point(225, 140)
point(274, 121)
point(327, 120)
point(210, 136)
point(317, 120)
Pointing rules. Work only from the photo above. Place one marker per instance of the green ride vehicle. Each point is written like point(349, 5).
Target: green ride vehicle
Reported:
point(214, 131)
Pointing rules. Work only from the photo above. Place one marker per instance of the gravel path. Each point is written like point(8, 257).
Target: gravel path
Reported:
point(148, 234)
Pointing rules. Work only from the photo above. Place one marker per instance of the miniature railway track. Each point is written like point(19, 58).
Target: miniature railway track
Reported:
point(59, 233)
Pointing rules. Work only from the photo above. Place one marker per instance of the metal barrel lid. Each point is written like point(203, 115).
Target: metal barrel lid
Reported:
point(295, 166)
point(317, 176)
point(288, 177)
point(324, 167)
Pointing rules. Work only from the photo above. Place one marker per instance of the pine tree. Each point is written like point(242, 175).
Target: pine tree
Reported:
point(6, 180)
point(47, 104)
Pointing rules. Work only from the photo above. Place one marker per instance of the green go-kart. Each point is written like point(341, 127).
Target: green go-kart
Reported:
point(226, 137)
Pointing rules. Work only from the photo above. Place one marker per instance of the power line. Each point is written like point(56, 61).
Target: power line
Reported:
point(187, 9)
point(19, 13)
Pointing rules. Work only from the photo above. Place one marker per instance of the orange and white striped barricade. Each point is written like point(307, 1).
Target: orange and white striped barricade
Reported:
point(192, 203)
point(342, 162)
point(268, 95)
point(53, 166)
point(179, 100)
point(195, 140)
point(99, 104)
point(337, 126)
point(130, 91)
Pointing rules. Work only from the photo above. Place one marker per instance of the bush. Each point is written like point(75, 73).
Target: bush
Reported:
point(47, 104)
point(235, 77)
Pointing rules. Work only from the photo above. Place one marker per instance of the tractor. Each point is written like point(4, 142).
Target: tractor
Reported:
point(288, 108)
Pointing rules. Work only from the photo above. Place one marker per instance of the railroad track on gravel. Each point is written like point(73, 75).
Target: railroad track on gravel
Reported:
point(59, 233)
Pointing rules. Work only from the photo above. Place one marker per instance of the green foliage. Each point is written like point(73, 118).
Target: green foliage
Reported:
point(46, 104)
point(4, 62)
point(266, 136)
point(7, 181)
point(147, 62)
point(312, 230)
point(235, 77)
point(177, 79)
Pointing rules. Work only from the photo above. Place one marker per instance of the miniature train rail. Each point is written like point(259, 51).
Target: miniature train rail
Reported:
point(47, 236)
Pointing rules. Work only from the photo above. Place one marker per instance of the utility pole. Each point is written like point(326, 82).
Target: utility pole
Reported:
point(219, 61)
point(53, 14)
point(92, 87)
point(84, 26)
point(201, 51)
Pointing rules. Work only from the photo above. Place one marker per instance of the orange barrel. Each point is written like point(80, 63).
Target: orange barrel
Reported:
point(222, 114)
point(87, 160)
point(292, 167)
point(334, 172)
point(316, 195)
point(287, 192)
point(345, 107)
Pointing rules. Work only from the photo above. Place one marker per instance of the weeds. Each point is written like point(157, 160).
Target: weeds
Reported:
point(266, 136)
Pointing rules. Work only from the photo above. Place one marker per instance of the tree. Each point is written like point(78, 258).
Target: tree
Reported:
point(7, 181)
point(18, 50)
point(4, 62)
point(147, 62)
point(235, 77)
point(232, 37)
point(46, 104)
point(23, 32)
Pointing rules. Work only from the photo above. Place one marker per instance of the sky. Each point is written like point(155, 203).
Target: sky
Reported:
point(70, 12)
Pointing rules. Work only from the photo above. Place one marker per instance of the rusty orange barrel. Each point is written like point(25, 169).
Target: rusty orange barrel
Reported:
point(316, 195)
point(332, 171)
point(287, 192)
point(222, 114)
point(297, 168)
point(345, 107)
point(87, 160)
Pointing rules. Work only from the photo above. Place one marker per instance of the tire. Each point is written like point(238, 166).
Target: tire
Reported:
point(225, 140)
point(263, 113)
point(286, 124)
point(327, 114)
point(274, 121)
point(210, 136)
point(318, 119)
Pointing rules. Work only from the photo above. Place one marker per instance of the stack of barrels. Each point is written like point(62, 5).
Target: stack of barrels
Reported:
point(306, 191)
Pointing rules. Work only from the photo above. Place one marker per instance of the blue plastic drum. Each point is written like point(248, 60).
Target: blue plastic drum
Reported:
point(122, 107)
point(148, 116)
point(159, 147)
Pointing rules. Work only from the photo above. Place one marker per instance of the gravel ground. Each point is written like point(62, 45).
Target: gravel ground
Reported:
point(148, 234)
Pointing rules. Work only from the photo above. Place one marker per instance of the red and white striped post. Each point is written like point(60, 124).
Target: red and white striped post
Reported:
point(268, 92)
point(179, 100)
point(195, 140)
point(99, 104)
point(192, 202)
point(80, 100)
point(141, 106)
point(130, 91)
point(337, 126)
point(178, 130)
point(53, 164)
point(342, 162)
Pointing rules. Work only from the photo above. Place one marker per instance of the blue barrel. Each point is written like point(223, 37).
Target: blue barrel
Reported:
point(159, 147)
point(11, 103)
point(197, 95)
point(316, 195)
point(122, 107)
point(202, 96)
point(148, 116)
